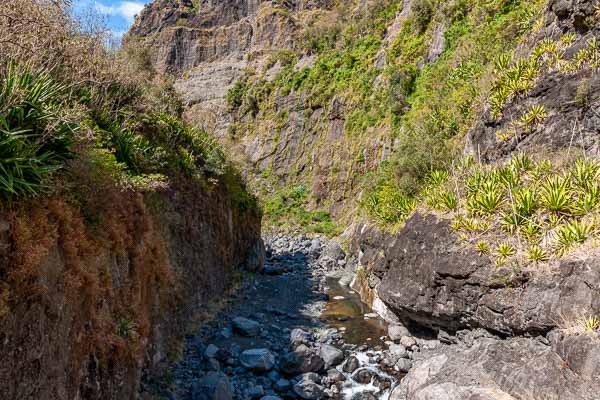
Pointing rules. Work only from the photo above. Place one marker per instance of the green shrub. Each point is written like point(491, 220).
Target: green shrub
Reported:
point(422, 11)
point(35, 138)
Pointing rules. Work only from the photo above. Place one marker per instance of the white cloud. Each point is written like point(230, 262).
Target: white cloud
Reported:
point(125, 9)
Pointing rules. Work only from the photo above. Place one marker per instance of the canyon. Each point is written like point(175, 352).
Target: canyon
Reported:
point(410, 211)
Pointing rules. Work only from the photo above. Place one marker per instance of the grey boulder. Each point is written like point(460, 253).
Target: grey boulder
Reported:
point(213, 386)
point(260, 360)
point(396, 331)
point(246, 327)
point(331, 355)
point(309, 390)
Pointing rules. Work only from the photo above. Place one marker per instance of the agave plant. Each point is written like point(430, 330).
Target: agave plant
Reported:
point(592, 323)
point(525, 202)
point(556, 195)
point(521, 162)
point(511, 221)
point(509, 177)
point(449, 199)
point(537, 254)
point(585, 173)
point(570, 234)
point(483, 247)
point(567, 39)
point(436, 178)
point(535, 116)
point(530, 230)
point(502, 63)
point(541, 169)
point(587, 201)
point(505, 250)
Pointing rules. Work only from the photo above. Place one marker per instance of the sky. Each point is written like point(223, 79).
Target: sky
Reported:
point(118, 14)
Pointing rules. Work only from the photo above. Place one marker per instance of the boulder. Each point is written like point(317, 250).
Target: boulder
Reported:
point(335, 376)
point(351, 364)
point(260, 360)
point(495, 369)
point(364, 396)
point(396, 331)
point(404, 365)
point(255, 392)
point(213, 386)
point(282, 385)
point(408, 341)
point(398, 351)
point(439, 283)
point(211, 351)
point(301, 360)
point(331, 355)
point(362, 376)
point(309, 390)
point(309, 376)
point(246, 327)
point(298, 336)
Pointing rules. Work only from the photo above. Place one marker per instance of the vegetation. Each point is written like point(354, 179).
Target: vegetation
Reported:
point(286, 209)
point(74, 99)
point(534, 209)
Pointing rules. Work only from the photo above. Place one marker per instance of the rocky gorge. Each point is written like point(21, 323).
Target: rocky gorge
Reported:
point(438, 135)
point(302, 199)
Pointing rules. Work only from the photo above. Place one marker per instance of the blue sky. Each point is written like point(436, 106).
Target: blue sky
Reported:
point(118, 14)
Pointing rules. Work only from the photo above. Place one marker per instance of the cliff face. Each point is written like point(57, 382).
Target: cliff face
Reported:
point(94, 294)
point(212, 45)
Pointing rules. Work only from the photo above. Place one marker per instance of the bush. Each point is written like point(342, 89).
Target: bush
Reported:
point(422, 11)
point(35, 136)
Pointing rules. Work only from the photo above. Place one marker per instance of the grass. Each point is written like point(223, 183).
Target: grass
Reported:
point(288, 209)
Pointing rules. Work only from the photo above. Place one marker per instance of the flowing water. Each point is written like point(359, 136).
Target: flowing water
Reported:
point(292, 293)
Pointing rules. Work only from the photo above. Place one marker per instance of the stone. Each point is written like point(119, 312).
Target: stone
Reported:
point(364, 396)
point(408, 341)
point(309, 376)
point(282, 385)
point(246, 327)
point(404, 365)
point(212, 364)
point(335, 376)
point(331, 355)
point(260, 360)
point(398, 351)
point(333, 250)
point(351, 364)
point(298, 336)
point(255, 392)
point(309, 390)
point(211, 351)
point(363, 376)
point(480, 371)
point(213, 386)
point(273, 376)
point(396, 331)
point(301, 360)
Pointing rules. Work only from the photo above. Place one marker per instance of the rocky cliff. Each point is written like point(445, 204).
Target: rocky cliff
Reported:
point(89, 301)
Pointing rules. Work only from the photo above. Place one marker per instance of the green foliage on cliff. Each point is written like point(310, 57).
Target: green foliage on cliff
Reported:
point(448, 93)
point(63, 108)
point(287, 209)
